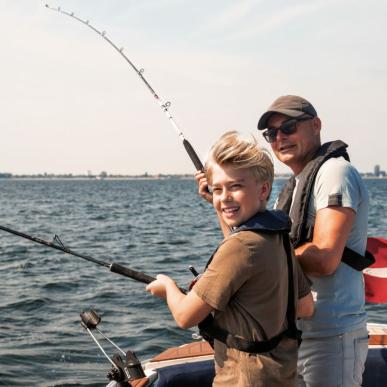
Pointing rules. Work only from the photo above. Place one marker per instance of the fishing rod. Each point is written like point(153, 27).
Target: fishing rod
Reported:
point(113, 267)
point(164, 105)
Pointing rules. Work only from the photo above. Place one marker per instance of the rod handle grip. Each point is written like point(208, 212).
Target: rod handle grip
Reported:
point(192, 155)
point(136, 275)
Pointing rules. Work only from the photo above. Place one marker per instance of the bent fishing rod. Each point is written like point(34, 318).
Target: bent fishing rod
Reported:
point(113, 267)
point(164, 105)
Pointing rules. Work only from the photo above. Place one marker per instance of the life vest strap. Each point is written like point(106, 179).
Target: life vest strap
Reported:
point(356, 260)
point(210, 331)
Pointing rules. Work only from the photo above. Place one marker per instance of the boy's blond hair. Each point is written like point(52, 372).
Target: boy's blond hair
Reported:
point(239, 153)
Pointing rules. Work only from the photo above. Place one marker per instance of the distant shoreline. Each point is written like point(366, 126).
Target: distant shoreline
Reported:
point(140, 177)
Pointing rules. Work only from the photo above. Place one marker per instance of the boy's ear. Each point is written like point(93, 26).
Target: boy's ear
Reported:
point(264, 191)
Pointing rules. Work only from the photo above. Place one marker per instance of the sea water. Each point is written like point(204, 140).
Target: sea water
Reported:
point(154, 226)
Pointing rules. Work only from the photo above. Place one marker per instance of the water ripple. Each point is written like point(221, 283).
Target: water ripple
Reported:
point(152, 226)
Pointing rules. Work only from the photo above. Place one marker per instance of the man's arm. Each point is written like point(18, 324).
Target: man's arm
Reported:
point(187, 310)
point(322, 255)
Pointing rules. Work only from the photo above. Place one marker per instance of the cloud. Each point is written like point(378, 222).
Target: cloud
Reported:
point(278, 18)
point(234, 15)
point(252, 18)
point(65, 91)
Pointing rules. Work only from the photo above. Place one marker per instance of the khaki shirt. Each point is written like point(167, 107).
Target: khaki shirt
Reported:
point(247, 285)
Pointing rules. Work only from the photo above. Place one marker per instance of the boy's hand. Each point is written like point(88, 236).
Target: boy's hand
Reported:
point(201, 180)
point(159, 286)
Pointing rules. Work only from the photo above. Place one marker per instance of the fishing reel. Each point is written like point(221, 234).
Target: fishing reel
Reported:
point(196, 279)
point(122, 371)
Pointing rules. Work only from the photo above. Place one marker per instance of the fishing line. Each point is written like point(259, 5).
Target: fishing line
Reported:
point(164, 105)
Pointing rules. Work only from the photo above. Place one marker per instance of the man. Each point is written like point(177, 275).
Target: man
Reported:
point(328, 204)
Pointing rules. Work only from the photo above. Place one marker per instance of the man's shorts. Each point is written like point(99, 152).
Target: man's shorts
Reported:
point(333, 361)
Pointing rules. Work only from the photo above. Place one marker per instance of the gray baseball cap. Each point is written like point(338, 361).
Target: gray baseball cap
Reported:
point(289, 105)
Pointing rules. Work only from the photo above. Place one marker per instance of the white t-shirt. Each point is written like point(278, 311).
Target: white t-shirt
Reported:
point(339, 297)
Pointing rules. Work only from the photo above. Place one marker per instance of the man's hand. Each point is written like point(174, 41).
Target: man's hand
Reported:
point(305, 306)
point(201, 180)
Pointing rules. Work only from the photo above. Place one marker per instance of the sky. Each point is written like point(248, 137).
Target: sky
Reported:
point(69, 103)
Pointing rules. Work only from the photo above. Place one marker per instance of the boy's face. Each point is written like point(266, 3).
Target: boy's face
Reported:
point(237, 194)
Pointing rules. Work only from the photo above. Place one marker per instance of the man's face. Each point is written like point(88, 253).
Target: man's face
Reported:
point(296, 150)
point(237, 194)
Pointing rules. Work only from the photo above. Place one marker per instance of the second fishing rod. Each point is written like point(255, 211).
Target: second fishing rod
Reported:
point(112, 266)
point(58, 245)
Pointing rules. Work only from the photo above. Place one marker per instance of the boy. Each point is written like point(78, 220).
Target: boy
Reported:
point(247, 282)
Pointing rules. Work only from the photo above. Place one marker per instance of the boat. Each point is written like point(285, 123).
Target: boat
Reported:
point(192, 364)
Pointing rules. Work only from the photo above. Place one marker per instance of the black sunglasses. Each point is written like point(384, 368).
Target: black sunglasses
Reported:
point(287, 127)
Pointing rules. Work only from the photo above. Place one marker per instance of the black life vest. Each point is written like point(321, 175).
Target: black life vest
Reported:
point(301, 232)
point(263, 222)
